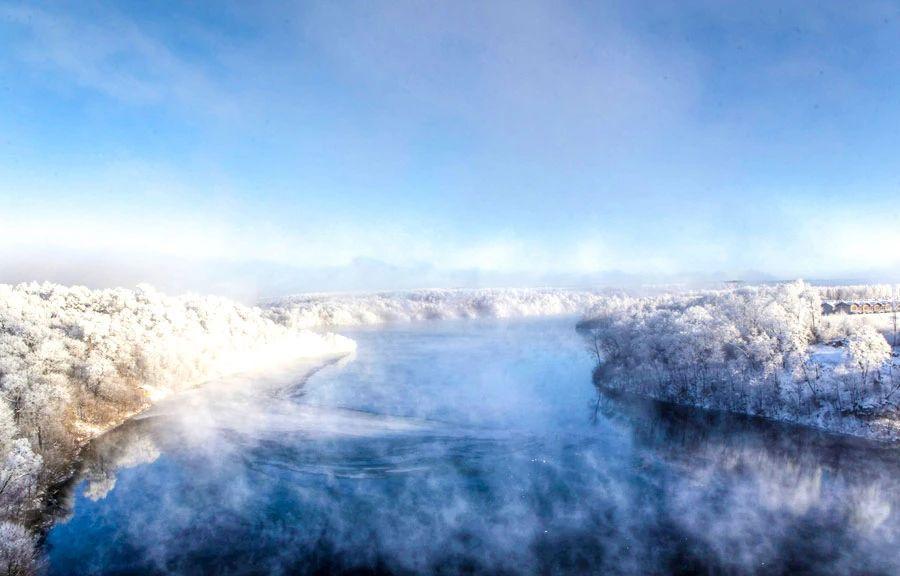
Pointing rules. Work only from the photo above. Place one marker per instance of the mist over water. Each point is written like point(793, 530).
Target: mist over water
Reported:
point(468, 447)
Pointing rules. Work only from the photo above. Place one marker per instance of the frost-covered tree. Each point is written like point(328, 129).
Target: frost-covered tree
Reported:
point(868, 349)
point(17, 550)
point(307, 311)
point(858, 292)
point(74, 361)
point(751, 350)
point(8, 428)
point(19, 479)
point(868, 352)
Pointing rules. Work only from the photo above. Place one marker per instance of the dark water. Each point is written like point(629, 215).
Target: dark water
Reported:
point(469, 448)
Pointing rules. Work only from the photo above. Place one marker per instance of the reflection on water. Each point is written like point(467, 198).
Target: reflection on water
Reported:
point(469, 447)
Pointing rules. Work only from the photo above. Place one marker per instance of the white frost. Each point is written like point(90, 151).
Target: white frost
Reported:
point(316, 310)
point(764, 350)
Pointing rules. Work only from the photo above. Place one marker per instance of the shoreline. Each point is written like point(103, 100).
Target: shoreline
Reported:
point(837, 435)
point(53, 502)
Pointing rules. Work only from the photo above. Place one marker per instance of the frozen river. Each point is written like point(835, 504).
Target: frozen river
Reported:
point(481, 447)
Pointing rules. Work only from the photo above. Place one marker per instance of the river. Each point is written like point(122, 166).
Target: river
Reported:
point(468, 447)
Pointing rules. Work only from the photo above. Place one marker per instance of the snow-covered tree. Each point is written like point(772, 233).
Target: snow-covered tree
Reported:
point(868, 349)
point(19, 479)
point(307, 311)
point(868, 352)
point(748, 350)
point(8, 428)
point(17, 550)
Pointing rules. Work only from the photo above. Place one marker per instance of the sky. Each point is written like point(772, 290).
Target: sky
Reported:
point(267, 147)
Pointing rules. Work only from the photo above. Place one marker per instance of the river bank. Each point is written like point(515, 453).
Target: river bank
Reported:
point(75, 363)
point(475, 447)
point(764, 351)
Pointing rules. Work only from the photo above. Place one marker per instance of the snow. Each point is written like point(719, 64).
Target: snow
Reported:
point(828, 355)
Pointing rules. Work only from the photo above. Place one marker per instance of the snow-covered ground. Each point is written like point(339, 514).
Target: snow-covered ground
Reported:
point(828, 355)
point(317, 310)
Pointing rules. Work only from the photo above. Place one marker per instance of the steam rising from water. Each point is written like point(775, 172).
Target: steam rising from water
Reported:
point(468, 447)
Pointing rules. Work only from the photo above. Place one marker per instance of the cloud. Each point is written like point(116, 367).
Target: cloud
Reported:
point(102, 50)
point(536, 73)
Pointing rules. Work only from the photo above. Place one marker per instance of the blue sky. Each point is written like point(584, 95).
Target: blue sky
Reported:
point(264, 147)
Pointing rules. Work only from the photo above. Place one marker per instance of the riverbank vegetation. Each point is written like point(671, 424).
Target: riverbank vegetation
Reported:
point(766, 351)
point(314, 310)
point(76, 362)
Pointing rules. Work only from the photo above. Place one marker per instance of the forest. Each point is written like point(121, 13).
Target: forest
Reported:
point(314, 310)
point(765, 351)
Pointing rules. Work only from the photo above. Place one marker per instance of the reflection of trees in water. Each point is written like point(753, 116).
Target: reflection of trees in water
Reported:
point(767, 495)
point(706, 493)
point(129, 445)
point(133, 449)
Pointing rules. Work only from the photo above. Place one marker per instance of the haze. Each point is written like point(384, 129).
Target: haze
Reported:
point(257, 150)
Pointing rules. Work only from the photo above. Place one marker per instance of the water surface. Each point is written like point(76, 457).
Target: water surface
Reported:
point(469, 447)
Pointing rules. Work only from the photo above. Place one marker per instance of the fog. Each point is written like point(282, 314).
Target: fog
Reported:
point(467, 446)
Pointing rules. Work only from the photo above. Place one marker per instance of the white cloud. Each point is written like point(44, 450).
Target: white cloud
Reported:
point(114, 55)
